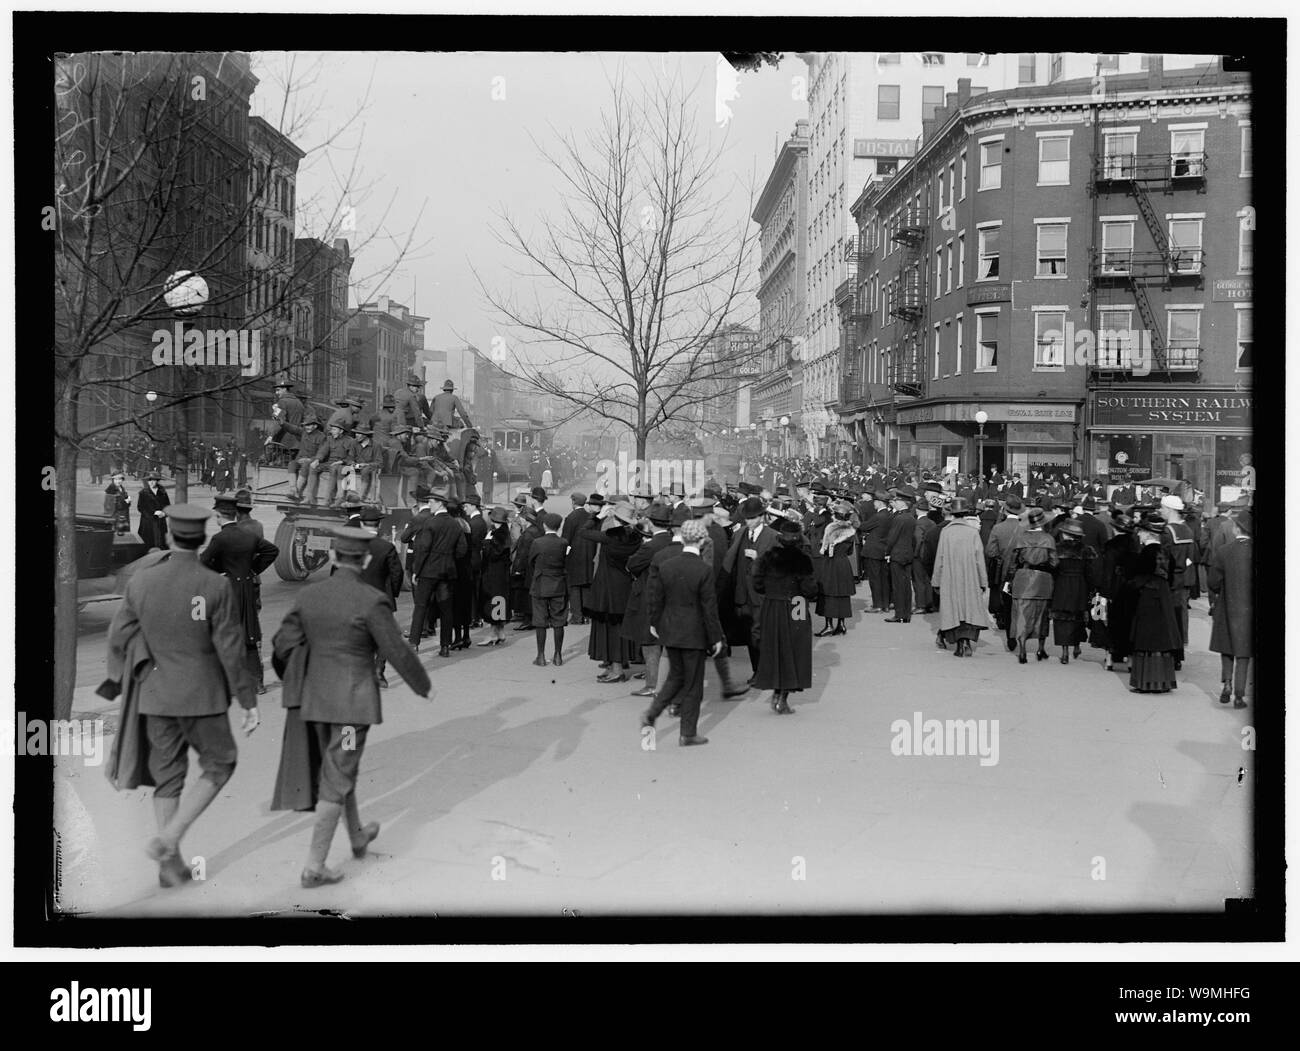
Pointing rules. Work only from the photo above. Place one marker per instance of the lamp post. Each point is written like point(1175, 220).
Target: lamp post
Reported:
point(785, 435)
point(981, 417)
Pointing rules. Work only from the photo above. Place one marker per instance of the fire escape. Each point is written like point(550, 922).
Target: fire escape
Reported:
point(857, 323)
point(1119, 275)
point(907, 370)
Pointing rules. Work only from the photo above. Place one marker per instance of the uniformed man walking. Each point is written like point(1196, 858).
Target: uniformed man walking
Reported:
point(176, 646)
point(344, 623)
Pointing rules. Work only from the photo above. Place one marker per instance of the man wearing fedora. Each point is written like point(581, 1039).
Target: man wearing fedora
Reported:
point(636, 623)
point(241, 557)
point(381, 424)
point(195, 666)
point(446, 407)
point(900, 551)
point(436, 547)
point(330, 457)
point(152, 504)
point(411, 404)
point(748, 545)
point(580, 564)
point(344, 624)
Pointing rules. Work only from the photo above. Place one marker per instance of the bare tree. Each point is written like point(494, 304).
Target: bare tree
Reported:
point(153, 178)
point(638, 274)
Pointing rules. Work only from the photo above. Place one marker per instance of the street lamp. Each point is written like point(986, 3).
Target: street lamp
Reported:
point(785, 435)
point(151, 396)
point(981, 417)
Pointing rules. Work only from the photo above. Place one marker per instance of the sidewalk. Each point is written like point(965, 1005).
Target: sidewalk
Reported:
point(540, 776)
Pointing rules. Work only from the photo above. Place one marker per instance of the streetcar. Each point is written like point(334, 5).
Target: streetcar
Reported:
point(514, 441)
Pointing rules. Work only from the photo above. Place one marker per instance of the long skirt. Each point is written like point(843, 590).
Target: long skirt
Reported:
point(1068, 628)
point(1152, 672)
point(1029, 618)
point(785, 648)
point(963, 631)
point(835, 607)
point(606, 643)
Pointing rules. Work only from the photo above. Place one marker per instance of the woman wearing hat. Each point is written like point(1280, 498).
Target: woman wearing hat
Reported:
point(1112, 618)
point(837, 587)
point(117, 503)
point(1033, 562)
point(1077, 578)
point(1231, 575)
point(784, 576)
point(152, 504)
point(1155, 635)
point(494, 585)
point(961, 579)
point(617, 539)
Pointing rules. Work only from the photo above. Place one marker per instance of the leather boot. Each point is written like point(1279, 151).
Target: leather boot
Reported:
point(322, 834)
point(360, 835)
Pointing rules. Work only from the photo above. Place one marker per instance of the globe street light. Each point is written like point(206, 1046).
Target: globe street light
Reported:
point(981, 417)
point(151, 396)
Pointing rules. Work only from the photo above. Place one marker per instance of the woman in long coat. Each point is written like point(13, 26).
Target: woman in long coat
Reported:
point(1156, 635)
point(1076, 580)
point(152, 499)
point(611, 586)
point(1231, 574)
point(117, 503)
point(837, 587)
point(1033, 562)
point(961, 578)
point(1116, 566)
point(784, 576)
point(494, 584)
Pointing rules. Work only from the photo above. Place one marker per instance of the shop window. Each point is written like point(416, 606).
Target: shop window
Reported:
point(1245, 338)
point(991, 165)
point(1051, 249)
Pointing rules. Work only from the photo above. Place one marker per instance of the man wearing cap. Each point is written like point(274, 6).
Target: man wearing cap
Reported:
point(548, 586)
point(636, 624)
point(900, 551)
point(382, 571)
point(1179, 542)
point(446, 406)
point(152, 504)
point(343, 623)
point(241, 557)
point(435, 548)
point(195, 665)
point(682, 607)
point(411, 404)
point(580, 563)
point(746, 548)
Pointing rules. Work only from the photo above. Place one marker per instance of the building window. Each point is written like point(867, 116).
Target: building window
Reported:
point(1120, 152)
point(1107, 62)
point(1245, 338)
point(1028, 66)
point(1057, 63)
point(952, 182)
point(932, 58)
point(1116, 246)
point(1115, 341)
point(1054, 160)
point(961, 258)
point(936, 351)
point(1049, 340)
point(977, 60)
point(948, 268)
point(963, 175)
point(986, 341)
point(961, 328)
point(1144, 63)
point(931, 100)
point(1185, 246)
point(991, 165)
point(989, 257)
point(889, 58)
point(1245, 245)
point(1184, 345)
point(887, 99)
point(1051, 249)
point(938, 272)
point(1247, 151)
point(1187, 152)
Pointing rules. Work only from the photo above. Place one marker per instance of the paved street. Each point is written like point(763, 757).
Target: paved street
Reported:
point(540, 776)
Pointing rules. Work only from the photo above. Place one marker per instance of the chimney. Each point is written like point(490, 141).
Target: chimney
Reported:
point(963, 90)
point(927, 129)
point(341, 246)
point(1155, 71)
point(383, 304)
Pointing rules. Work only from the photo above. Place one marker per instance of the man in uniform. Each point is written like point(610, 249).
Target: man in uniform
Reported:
point(369, 459)
point(381, 426)
point(436, 546)
point(411, 404)
point(289, 412)
point(345, 623)
point(241, 556)
point(383, 570)
point(347, 415)
point(447, 406)
point(194, 666)
point(331, 456)
point(300, 465)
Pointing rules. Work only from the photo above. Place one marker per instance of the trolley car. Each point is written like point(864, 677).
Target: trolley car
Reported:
point(513, 443)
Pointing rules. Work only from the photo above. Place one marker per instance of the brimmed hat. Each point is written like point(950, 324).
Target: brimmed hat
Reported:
point(625, 513)
point(788, 530)
point(474, 499)
point(751, 507)
point(1070, 528)
point(598, 499)
point(349, 540)
point(421, 493)
point(749, 488)
point(680, 514)
point(538, 494)
point(1089, 503)
point(905, 492)
point(1036, 516)
point(959, 507)
point(1174, 503)
point(153, 476)
point(499, 515)
point(660, 514)
point(414, 380)
point(1245, 521)
point(880, 494)
point(388, 402)
point(373, 514)
point(224, 502)
point(186, 520)
point(701, 506)
point(520, 500)
point(448, 385)
point(244, 500)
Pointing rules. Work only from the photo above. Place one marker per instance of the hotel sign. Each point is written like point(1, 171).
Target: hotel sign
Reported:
point(1232, 289)
point(964, 412)
point(884, 147)
point(1145, 409)
point(999, 293)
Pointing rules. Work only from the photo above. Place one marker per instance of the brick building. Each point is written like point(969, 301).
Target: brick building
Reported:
point(321, 315)
point(1005, 265)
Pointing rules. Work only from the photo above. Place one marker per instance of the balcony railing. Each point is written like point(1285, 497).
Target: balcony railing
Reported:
point(1125, 263)
point(1181, 358)
point(1150, 167)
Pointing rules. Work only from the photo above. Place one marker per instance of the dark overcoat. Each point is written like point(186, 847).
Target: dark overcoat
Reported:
point(1231, 574)
point(782, 575)
point(612, 584)
point(153, 530)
